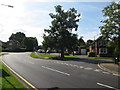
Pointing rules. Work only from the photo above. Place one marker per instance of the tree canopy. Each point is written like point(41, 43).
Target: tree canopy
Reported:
point(19, 36)
point(62, 25)
point(29, 43)
point(110, 29)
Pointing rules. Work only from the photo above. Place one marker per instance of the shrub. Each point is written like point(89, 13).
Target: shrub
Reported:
point(91, 54)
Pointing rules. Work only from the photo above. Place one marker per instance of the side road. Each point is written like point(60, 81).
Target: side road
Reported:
point(107, 66)
point(110, 67)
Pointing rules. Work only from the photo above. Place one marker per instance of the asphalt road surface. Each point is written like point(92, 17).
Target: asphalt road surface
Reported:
point(60, 74)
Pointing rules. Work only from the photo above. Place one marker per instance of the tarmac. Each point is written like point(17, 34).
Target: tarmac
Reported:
point(109, 67)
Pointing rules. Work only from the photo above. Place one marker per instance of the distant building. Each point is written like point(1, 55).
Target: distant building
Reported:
point(12, 44)
point(100, 48)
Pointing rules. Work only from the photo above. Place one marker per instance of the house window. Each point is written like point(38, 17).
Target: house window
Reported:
point(100, 43)
point(104, 43)
point(102, 50)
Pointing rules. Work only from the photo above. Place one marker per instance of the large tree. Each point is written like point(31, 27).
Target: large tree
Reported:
point(19, 36)
point(110, 29)
point(30, 43)
point(62, 26)
point(48, 42)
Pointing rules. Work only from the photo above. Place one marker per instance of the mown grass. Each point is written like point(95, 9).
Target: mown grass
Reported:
point(100, 57)
point(3, 53)
point(33, 55)
point(57, 57)
point(8, 81)
point(47, 55)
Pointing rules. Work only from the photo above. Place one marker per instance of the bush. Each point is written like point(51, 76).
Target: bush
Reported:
point(91, 54)
point(16, 50)
point(66, 53)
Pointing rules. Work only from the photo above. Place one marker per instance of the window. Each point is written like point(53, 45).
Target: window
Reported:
point(104, 43)
point(99, 43)
point(102, 50)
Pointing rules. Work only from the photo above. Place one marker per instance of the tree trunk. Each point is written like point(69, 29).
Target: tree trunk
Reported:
point(73, 53)
point(62, 53)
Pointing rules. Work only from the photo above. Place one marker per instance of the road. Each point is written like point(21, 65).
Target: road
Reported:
point(60, 74)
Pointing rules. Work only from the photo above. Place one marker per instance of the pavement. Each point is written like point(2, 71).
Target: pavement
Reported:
point(110, 67)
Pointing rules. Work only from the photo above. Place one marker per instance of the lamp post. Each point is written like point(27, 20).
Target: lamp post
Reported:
point(95, 45)
point(8, 5)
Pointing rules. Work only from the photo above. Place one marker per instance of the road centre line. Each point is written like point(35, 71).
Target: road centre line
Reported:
point(87, 68)
point(106, 72)
point(56, 70)
point(75, 65)
point(97, 70)
point(81, 67)
point(116, 75)
point(106, 86)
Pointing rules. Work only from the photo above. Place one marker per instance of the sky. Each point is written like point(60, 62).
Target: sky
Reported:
point(32, 17)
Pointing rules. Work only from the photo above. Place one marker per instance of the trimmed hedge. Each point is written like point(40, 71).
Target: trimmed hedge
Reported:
point(16, 50)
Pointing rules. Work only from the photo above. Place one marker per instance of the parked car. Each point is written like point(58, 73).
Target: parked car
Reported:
point(40, 51)
point(76, 52)
point(50, 51)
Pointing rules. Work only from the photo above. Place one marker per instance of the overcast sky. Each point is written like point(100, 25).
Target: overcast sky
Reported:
point(32, 16)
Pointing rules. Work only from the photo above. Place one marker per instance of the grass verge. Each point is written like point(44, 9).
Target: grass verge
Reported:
point(57, 57)
point(3, 53)
point(100, 57)
point(33, 55)
point(8, 81)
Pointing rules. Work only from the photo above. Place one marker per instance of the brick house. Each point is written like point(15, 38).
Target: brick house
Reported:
point(100, 48)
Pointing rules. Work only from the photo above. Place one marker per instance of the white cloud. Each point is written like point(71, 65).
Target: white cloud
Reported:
point(22, 19)
point(74, 0)
point(90, 35)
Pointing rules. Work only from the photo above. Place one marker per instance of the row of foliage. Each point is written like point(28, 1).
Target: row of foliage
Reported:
point(110, 29)
point(20, 43)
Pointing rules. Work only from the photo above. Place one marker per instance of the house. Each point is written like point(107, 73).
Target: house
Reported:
point(100, 48)
point(12, 44)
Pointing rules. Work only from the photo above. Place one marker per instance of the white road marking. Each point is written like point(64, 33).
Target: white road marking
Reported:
point(67, 64)
point(106, 86)
point(81, 67)
point(106, 72)
point(97, 70)
point(75, 65)
point(56, 71)
point(116, 74)
point(87, 68)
